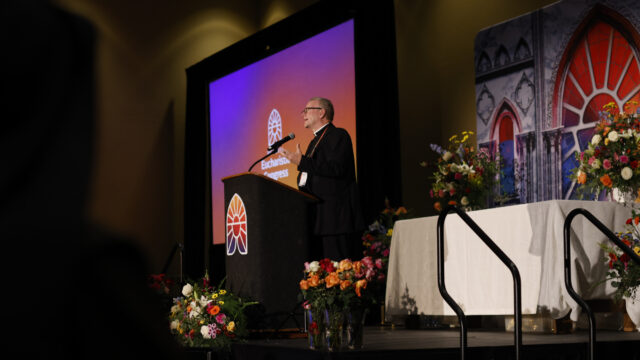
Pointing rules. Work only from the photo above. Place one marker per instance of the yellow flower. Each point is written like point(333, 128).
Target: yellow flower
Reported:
point(222, 292)
point(215, 295)
point(390, 232)
point(221, 302)
point(231, 326)
point(453, 137)
point(606, 141)
point(637, 250)
point(201, 322)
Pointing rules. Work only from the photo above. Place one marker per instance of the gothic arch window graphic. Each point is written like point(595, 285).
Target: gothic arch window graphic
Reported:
point(274, 127)
point(236, 226)
point(603, 67)
point(503, 132)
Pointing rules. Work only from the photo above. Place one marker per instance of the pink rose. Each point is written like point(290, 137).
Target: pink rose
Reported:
point(606, 164)
point(582, 156)
point(385, 252)
point(591, 160)
point(369, 274)
point(452, 192)
point(624, 159)
point(379, 263)
point(220, 318)
point(367, 261)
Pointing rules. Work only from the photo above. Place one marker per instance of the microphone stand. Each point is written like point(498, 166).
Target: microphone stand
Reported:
point(264, 157)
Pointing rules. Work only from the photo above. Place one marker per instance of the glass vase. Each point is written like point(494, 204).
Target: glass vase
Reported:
point(315, 329)
point(354, 325)
point(334, 320)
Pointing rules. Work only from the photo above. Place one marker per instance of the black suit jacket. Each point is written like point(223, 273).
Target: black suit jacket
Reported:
point(332, 179)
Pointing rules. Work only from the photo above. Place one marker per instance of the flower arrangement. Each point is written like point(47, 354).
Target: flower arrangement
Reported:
point(332, 290)
point(464, 176)
point(612, 158)
point(624, 273)
point(206, 316)
point(376, 242)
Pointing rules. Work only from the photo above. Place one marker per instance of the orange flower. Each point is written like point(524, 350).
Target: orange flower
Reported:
point(214, 310)
point(345, 265)
point(332, 280)
point(401, 210)
point(606, 180)
point(360, 284)
point(344, 284)
point(636, 220)
point(453, 202)
point(437, 206)
point(304, 285)
point(582, 177)
point(357, 267)
point(314, 280)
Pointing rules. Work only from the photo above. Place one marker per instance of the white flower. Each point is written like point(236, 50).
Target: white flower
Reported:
point(204, 330)
point(195, 309)
point(174, 324)
point(175, 309)
point(187, 290)
point(314, 266)
point(613, 136)
point(444, 170)
point(464, 201)
point(450, 186)
point(447, 156)
point(595, 140)
point(335, 264)
point(596, 164)
point(626, 173)
point(454, 168)
point(204, 301)
point(627, 134)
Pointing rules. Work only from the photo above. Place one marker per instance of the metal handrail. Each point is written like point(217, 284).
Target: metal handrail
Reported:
point(517, 300)
point(567, 266)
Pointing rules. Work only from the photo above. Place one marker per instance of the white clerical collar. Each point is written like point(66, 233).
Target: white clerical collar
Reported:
point(315, 133)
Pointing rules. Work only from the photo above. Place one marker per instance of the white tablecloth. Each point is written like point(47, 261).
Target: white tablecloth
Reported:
point(530, 234)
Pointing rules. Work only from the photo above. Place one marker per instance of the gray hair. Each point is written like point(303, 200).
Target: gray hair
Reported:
point(326, 105)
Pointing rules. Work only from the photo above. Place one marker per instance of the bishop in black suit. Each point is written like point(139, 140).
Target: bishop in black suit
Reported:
point(327, 171)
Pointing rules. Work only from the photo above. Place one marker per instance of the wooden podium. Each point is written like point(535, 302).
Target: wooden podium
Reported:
point(268, 235)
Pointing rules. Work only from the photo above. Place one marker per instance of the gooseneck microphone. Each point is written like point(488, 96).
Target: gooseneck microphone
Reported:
point(273, 148)
point(280, 142)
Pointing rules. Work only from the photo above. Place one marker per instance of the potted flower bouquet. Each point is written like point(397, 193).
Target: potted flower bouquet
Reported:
point(464, 176)
point(611, 160)
point(376, 242)
point(208, 316)
point(336, 301)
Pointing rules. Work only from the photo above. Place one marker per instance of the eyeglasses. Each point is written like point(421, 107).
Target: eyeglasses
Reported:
point(304, 111)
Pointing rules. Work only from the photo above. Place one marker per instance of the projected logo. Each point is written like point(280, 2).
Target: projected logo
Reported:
point(236, 226)
point(274, 127)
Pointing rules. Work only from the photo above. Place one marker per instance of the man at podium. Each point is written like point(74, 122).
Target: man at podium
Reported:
point(327, 171)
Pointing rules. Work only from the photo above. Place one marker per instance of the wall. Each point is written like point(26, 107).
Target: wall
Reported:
point(143, 49)
point(436, 87)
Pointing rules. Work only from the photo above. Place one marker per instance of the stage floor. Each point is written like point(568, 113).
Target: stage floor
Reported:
point(400, 343)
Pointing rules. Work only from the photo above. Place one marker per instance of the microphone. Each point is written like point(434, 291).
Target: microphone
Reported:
point(279, 143)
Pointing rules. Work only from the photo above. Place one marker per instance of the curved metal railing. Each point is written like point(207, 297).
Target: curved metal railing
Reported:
point(567, 266)
point(517, 300)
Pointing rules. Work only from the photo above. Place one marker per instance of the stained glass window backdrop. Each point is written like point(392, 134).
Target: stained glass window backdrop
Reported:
point(602, 68)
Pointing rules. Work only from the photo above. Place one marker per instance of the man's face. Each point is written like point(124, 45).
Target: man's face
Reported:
point(312, 115)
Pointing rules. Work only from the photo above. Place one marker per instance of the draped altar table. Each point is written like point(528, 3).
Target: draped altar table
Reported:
point(530, 234)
